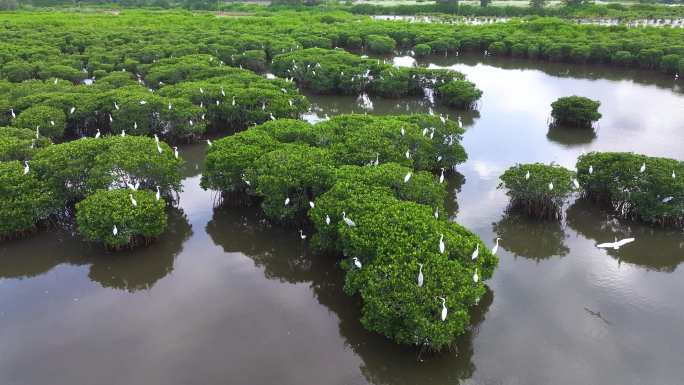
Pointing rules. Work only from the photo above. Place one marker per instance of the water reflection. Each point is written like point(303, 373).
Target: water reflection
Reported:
point(529, 238)
point(132, 270)
point(654, 248)
point(283, 257)
point(569, 136)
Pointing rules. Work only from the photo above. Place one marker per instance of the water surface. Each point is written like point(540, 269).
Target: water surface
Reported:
point(224, 298)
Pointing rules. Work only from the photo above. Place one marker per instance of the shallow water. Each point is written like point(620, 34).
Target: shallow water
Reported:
point(225, 298)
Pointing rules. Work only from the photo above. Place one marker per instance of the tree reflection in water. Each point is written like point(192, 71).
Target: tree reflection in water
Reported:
point(531, 238)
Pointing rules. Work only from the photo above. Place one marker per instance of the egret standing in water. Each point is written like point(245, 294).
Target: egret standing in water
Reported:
point(133, 201)
point(420, 275)
point(496, 246)
point(444, 308)
point(476, 252)
point(348, 221)
point(357, 263)
point(442, 247)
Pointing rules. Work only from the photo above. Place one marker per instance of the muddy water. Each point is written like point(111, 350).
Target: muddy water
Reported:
point(224, 298)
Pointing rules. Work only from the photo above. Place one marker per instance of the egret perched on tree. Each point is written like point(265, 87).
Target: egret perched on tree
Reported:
point(327, 219)
point(311, 204)
point(26, 167)
point(673, 174)
point(12, 113)
point(37, 132)
point(442, 247)
point(436, 212)
point(301, 234)
point(175, 152)
point(135, 125)
point(115, 231)
point(201, 90)
point(123, 133)
point(233, 100)
point(98, 133)
point(550, 186)
point(287, 201)
point(408, 154)
point(158, 195)
point(403, 132)
point(591, 169)
point(476, 277)
point(527, 176)
point(420, 275)
point(444, 308)
point(407, 177)
point(476, 252)
point(52, 123)
point(615, 245)
point(575, 182)
point(496, 246)
point(357, 263)
point(643, 167)
point(270, 115)
point(348, 221)
point(116, 106)
point(159, 149)
point(667, 199)
point(170, 106)
point(133, 201)
point(110, 118)
point(441, 176)
point(71, 111)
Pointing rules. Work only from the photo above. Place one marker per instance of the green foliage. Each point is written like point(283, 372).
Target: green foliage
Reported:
point(19, 143)
point(49, 121)
point(459, 94)
point(295, 174)
point(422, 50)
point(76, 169)
point(575, 111)
point(654, 196)
point(538, 190)
point(99, 213)
point(26, 200)
point(380, 44)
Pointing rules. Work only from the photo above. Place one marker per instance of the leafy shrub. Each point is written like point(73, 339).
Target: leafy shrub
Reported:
point(538, 190)
point(19, 143)
point(575, 111)
point(670, 63)
point(380, 44)
point(459, 94)
point(422, 50)
point(26, 200)
point(295, 174)
point(498, 48)
point(49, 121)
point(99, 213)
point(254, 60)
point(654, 196)
point(623, 58)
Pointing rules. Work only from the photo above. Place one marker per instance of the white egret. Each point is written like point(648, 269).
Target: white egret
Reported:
point(218, 102)
point(311, 204)
point(175, 152)
point(37, 132)
point(156, 138)
point(436, 213)
point(133, 201)
point(476, 277)
point(115, 231)
point(98, 133)
point(26, 167)
point(442, 247)
point(170, 106)
point(71, 111)
point(442, 118)
point(357, 263)
point(158, 195)
point(233, 100)
point(476, 252)
point(287, 201)
point(550, 186)
point(615, 245)
point(223, 93)
point(123, 133)
point(142, 102)
point(673, 174)
point(159, 149)
point(496, 246)
point(191, 122)
point(116, 106)
point(591, 170)
point(135, 125)
point(407, 177)
point(575, 182)
point(527, 176)
point(348, 221)
point(441, 177)
point(12, 113)
point(110, 118)
point(667, 199)
point(209, 143)
point(271, 116)
point(301, 234)
point(327, 219)
point(444, 308)
point(643, 167)
point(201, 90)
point(420, 275)
point(52, 123)
point(408, 154)
point(403, 132)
